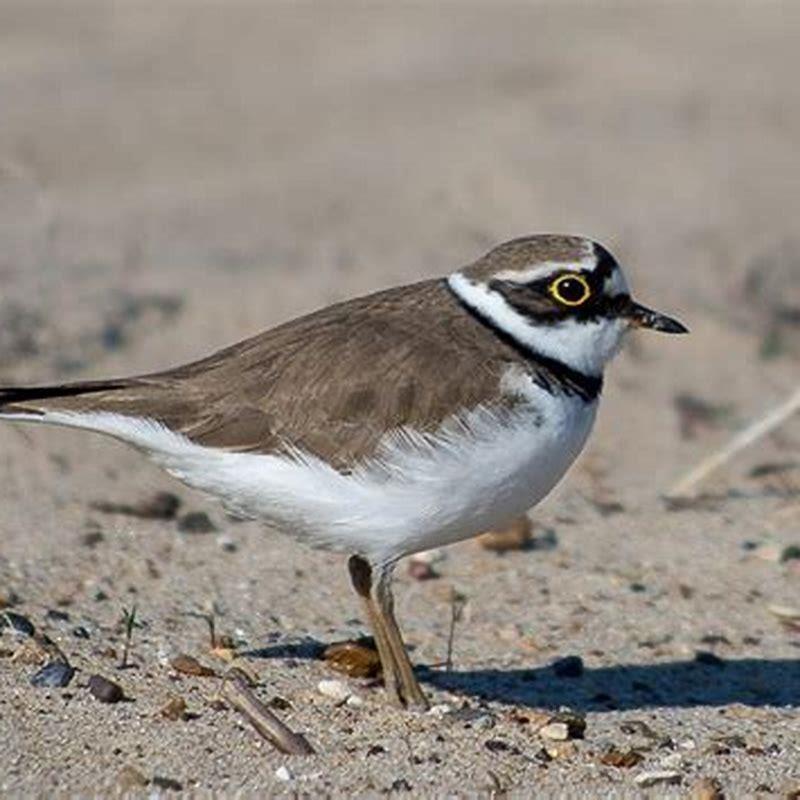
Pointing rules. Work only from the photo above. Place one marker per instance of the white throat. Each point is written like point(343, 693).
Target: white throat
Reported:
point(582, 346)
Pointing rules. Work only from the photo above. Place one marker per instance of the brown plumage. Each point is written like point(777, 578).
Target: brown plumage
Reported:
point(330, 383)
point(520, 254)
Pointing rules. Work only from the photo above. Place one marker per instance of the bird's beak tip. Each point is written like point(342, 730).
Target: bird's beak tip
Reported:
point(639, 316)
point(666, 324)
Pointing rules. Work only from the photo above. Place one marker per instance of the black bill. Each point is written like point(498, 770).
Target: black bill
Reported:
point(639, 316)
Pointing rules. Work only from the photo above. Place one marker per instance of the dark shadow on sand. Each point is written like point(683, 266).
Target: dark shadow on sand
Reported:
point(711, 681)
point(749, 681)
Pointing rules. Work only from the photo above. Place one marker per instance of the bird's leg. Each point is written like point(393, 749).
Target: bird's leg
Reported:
point(412, 694)
point(361, 578)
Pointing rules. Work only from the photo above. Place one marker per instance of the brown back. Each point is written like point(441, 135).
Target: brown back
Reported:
point(330, 383)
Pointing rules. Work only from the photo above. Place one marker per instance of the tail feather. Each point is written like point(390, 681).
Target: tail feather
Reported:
point(16, 399)
point(84, 404)
point(130, 409)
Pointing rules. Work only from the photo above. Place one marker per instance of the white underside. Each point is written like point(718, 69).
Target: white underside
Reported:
point(421, 491)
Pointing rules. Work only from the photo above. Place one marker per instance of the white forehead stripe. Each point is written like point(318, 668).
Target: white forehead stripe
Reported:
point(543, 269)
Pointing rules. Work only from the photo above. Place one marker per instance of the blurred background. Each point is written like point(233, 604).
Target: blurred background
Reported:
point(178, 175)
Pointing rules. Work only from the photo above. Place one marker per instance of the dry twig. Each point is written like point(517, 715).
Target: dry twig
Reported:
point(457, 604)
point(752, 433)
point(236, 691)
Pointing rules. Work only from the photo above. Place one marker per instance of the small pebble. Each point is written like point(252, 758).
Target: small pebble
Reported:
point(421, 570)
point(790, 553)
point(560, 750)
point(484, 722)
point(564, 726)
point(669, 777)
point(355, 701)
point(671, 761)
point(283, 774)
point(162, 782)
point(477, 718)
point(621, 758)
point(16, 623)
point(80, 632)
point(516, 535)
point(440, 710)
point(189, 665)
point(537, 719)
point(162, 505)
point(55, 674)
point(558, 731)
point(226, 544)
point(196, 522)
point(568, 667)
point(174, 709)
point(358, 659)
point(104, 690)
point(496, 745)
point(336, 690)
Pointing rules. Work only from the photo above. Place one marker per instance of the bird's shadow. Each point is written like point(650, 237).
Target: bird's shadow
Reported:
point(704, 681)
point(747, 681)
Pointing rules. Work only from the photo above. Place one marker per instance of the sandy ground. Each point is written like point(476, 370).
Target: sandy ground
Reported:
point(175, 176)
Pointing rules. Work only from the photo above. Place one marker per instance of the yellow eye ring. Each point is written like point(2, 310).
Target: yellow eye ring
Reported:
point(571, 290)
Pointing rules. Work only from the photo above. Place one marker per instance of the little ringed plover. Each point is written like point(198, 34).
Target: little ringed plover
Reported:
point(387, 424)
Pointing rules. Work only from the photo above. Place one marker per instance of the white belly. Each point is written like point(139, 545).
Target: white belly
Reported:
point(422, 491)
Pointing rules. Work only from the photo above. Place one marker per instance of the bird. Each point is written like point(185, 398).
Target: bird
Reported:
point(388, 424)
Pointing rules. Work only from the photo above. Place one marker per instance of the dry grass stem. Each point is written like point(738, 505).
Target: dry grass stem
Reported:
point(129, 620)
point(236, 691)
point(686, 486)
point(457, 604)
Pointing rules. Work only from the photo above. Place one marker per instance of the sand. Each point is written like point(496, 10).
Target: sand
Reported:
point(176, 176)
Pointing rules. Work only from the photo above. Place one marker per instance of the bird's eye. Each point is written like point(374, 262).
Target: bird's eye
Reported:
point(571, 290)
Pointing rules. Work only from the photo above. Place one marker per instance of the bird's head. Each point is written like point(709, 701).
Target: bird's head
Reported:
point(564, 297)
